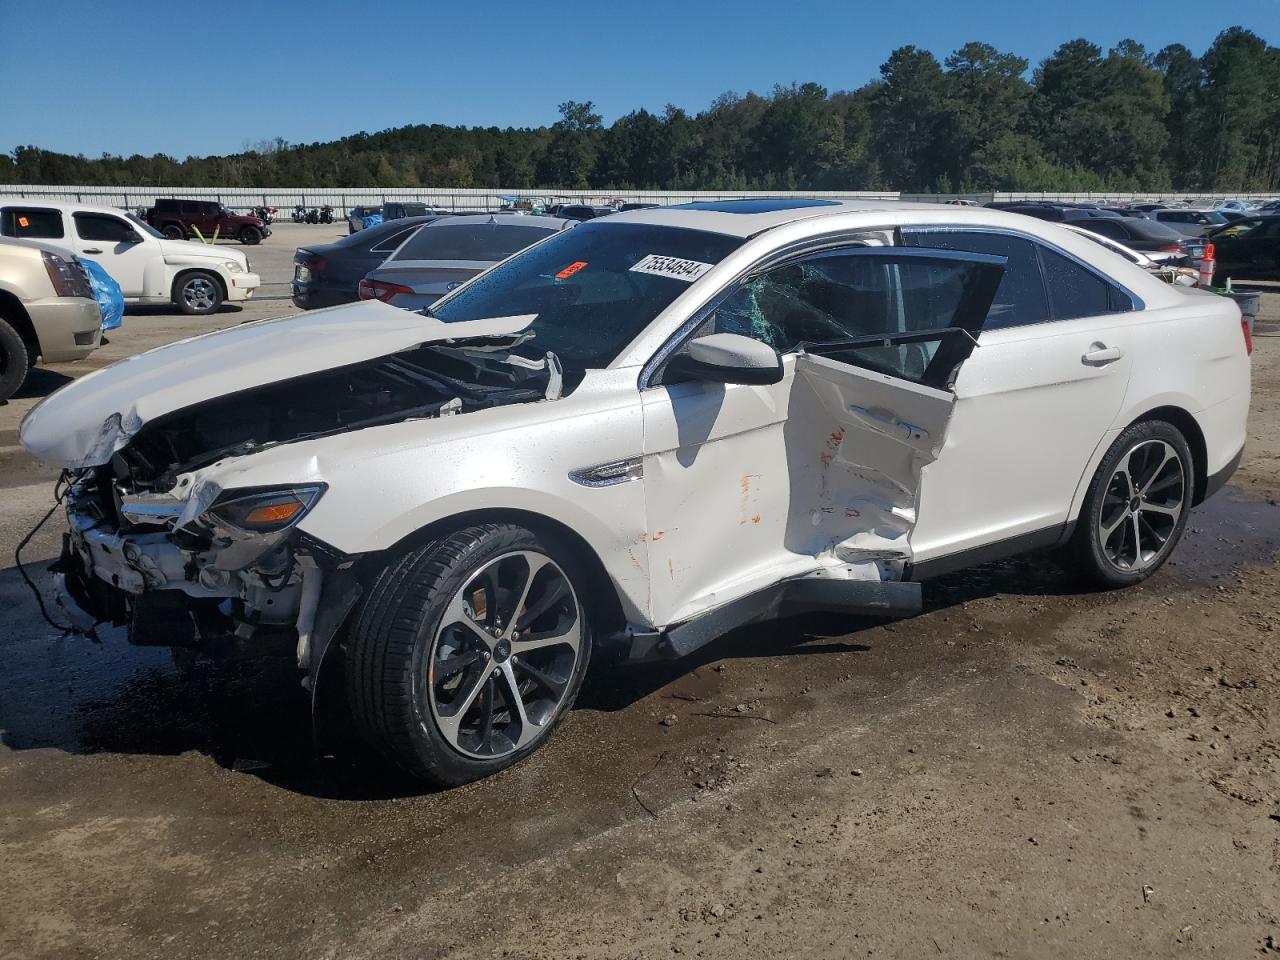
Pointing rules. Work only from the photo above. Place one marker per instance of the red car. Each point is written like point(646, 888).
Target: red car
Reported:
point(180, 219)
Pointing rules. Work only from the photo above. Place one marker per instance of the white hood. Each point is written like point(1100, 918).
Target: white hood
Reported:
point(180, 251)
point(85, 422)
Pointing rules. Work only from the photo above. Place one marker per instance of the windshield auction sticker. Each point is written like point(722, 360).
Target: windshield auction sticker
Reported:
point(674, 267)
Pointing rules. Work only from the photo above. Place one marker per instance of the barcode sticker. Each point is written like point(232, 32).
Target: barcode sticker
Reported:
point(674, 267)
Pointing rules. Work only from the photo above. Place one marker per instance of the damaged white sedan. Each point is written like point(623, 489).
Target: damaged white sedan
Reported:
point(631, 438)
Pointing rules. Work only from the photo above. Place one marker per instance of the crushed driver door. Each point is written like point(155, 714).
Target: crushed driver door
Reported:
point(748, 485)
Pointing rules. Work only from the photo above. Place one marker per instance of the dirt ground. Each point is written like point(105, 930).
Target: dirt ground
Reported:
point(1026, 770)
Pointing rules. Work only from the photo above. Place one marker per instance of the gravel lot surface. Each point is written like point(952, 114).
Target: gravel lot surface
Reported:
point(1028, 769)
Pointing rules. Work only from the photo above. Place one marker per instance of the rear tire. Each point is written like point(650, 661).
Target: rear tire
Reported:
point(174, 232)
point(468, 652)
point(197, 293)
point(1136, 507)
point(14, 360)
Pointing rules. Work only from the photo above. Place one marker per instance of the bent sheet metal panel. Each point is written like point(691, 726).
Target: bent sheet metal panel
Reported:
point(746, 485)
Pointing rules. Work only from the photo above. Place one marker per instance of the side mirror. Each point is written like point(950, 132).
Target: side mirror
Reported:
point(726, 358)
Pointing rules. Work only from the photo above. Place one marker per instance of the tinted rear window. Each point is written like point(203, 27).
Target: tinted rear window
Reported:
point(33, 222)
point(1151, 230)
point(487, 242)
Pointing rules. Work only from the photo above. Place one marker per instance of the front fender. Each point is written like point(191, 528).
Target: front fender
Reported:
point(386, 483)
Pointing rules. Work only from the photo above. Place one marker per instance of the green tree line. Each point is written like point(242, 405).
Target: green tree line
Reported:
point(980, 120)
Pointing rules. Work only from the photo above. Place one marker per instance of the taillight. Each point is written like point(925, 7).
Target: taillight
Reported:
point(314, 263)
point(67, 278)
point(1171, 248)
point(1248, 337)
point(380, 290)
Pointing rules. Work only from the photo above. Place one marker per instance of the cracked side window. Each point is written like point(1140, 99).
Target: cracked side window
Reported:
point(833, 298)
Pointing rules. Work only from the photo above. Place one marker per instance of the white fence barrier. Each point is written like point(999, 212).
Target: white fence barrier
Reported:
point(342, 200)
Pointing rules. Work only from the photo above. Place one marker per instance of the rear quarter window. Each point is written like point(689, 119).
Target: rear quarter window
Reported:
point(32, 222)
point(1075, 291)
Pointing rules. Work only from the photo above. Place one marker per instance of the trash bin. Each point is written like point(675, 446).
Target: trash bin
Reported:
point(1248, 304)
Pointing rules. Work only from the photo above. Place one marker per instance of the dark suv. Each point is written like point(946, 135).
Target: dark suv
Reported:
point(181, 219)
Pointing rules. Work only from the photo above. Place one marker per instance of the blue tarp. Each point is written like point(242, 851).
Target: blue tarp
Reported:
point(107, 292)
point(372, 220)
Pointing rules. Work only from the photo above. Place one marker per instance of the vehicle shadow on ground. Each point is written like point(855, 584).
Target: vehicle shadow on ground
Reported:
point(71, 694)
point(83, 697)
point(40, 382)
point(169, 310)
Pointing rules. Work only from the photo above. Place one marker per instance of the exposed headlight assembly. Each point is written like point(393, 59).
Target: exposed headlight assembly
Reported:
point(252, 512)
point(233, 266)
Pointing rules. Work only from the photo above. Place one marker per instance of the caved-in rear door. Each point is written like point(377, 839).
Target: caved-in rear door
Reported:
point(869, 410)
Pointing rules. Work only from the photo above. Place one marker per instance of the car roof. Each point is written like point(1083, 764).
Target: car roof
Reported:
point(513, 219)
point(747, 218)
point(41, 244)
point(63, 205)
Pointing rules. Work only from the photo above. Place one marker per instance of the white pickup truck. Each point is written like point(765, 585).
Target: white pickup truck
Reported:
point(150, 268)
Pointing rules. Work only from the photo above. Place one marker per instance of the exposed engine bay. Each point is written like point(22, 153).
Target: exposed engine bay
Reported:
point(427, 382)
point(186, 564)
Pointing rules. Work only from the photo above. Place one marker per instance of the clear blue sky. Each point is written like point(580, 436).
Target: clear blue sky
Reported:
point(185, 77)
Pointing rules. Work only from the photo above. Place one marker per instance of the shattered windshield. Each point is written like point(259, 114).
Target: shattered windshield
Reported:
point(593, 288)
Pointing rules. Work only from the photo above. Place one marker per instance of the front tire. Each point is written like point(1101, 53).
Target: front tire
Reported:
point(197, 293)
point(468, 652)
point(1137, 506)
point(174, 232)
point(250, 236)
point(14, 360)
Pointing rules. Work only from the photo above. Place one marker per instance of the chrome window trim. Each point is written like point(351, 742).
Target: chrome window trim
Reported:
point(1137, 301)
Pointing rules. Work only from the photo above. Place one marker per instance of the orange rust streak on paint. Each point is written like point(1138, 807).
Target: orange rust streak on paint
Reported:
point(756, 518)
point(671, 568)
point(659, 535)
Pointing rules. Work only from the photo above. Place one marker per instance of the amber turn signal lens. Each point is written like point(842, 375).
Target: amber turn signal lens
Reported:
point(273, 513)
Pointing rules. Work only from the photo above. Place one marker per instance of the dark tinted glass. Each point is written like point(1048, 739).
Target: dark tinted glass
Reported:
point(31, 222)
point(1073, 290)
point(97, 226)
point(589, 301)
point(388, 244)
point(485, 242)
point(1021, 297)
point(1107, 228)
point(1151, 230)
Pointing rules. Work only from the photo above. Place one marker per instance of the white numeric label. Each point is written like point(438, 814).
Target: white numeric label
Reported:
point(674, 267)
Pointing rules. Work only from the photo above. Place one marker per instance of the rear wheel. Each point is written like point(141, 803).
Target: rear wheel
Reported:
point(174, 232)
point(468, 652)
point(1137, 506)
point(14, 360)
point(197, 293)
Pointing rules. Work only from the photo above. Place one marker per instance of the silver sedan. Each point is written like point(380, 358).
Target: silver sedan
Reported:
point(446, 253)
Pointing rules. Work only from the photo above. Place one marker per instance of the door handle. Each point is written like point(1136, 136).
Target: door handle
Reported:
point(92, 250)
point(889, 424)
point(1100, 355)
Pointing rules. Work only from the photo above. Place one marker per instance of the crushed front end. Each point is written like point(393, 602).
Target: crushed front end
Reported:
point(221, 571)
